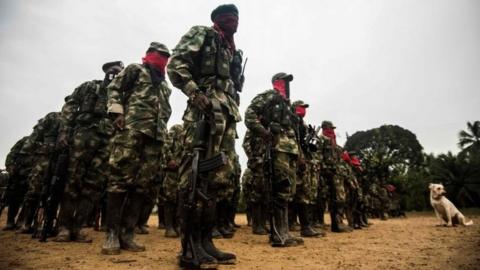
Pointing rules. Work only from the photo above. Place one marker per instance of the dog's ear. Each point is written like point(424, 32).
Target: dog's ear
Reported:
point(430, 186)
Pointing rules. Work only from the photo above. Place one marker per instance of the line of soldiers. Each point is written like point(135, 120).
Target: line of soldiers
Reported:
point(108, 153)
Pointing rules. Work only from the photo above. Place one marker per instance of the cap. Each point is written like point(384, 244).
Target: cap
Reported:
point(300, 103)
point(224, 9)
point(282, 76)
point(159, 47)
point(328, 124)
point(108, 65)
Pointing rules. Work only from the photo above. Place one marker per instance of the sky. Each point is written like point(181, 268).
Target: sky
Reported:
point(360, 63)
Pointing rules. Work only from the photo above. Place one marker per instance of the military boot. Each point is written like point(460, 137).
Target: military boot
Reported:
point(65, 220)
point(306, 228)
point(142, 227)
point(83, 211)
point(222, 221)
point(364, 219)
point(29, 215)
point(258, 220)
point(279, 228)
point(115, 201)
point(169, 220)
point(129, 220)
point(193, 254)
point(161, 216)
point(13, 208)
point(336, 217)
point(209, 247)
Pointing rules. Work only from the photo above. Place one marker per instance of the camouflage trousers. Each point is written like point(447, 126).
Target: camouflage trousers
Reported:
point(336, 189)
point(307, 185)
point(256, 183)
point(170, 186)
point(223, 141)
point(135, 161)
point(87, 168)
point(284, 180)
point(247, 185)
point(232, 188)
point(36, 178)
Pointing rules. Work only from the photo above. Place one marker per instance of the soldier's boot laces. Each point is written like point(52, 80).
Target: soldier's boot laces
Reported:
point(220, 256)
point(63, 235)
point(169, 221)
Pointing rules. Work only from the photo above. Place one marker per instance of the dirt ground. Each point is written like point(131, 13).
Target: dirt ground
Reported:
point(405, 243)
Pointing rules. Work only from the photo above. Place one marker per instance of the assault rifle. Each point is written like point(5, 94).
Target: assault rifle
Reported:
point(203, 162)
point(269, 176)
point(46, 213)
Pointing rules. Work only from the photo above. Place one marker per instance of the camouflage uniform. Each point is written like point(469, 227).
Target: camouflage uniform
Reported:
point(42, 143)
point(351, 193)
point(84, 117)
point(200, 66)
point(141, 95)
point(173, 152)
point(331, 156)
point(18, 163)
point(307, 178)
point(270, 110)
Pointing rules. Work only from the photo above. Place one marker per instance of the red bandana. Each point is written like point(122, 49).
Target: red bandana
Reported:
point(355, 162)
point(301, 111)
point(346, 156)
point(157, 60)
point(226, 25)
point(330, 133)
point(280, 86)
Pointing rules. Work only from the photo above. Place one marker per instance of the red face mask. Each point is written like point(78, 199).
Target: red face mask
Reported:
point(346, 156)
point(280, 86)
point(355, 161)
point(157, 60)
point(330, 133)
point(301, 111)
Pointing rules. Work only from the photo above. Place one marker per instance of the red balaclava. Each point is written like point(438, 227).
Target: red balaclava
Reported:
point(281, 87)
point(301, 111)
point(226, 25)
point(355, 161)
point(157, 60)
point(330, 133)
point(346, 157)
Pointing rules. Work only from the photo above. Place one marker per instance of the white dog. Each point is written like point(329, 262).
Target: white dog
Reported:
point(446, 212)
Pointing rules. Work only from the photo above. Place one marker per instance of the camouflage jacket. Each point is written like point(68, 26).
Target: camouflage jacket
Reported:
point(19, 162)
point(146, 107)
point(270, 110)
point(44, 136)
point(174, 144)
point(329, 154)
point(87, 107)
point(201, 62)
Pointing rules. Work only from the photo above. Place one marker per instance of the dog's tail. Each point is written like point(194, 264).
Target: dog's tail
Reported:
point(469, 223)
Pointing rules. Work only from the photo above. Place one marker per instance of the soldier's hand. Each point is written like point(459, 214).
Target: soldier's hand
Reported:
point(119, 122)
point(201, 101)
point(62, 140)
point(266, 135)
point(172, 165)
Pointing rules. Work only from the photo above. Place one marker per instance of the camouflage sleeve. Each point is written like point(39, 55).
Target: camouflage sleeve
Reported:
point(182, 62)
point(71, 107)
point(124, 81)
point(13, 154)
point(253, 113)
point(169, 155)
point(35, 139)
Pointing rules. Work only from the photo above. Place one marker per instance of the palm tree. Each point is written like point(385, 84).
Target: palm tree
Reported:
point(470, 139)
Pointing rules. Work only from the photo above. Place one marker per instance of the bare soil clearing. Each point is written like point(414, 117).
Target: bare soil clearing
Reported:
point(405, 243)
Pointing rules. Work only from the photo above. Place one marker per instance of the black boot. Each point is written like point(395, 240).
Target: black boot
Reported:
point(11, 215)
point(113, 217)
point(258, 220)
point(222, 220)
point(306, 228)
point(145, 212)
point(279, 228)
point(248, 213)
point(161, 216)
point(130, 217)
point(336, 217)
point(170, 213)
point(83, 211)
point(29, 214)
point(65, 220)
point(209, 247)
